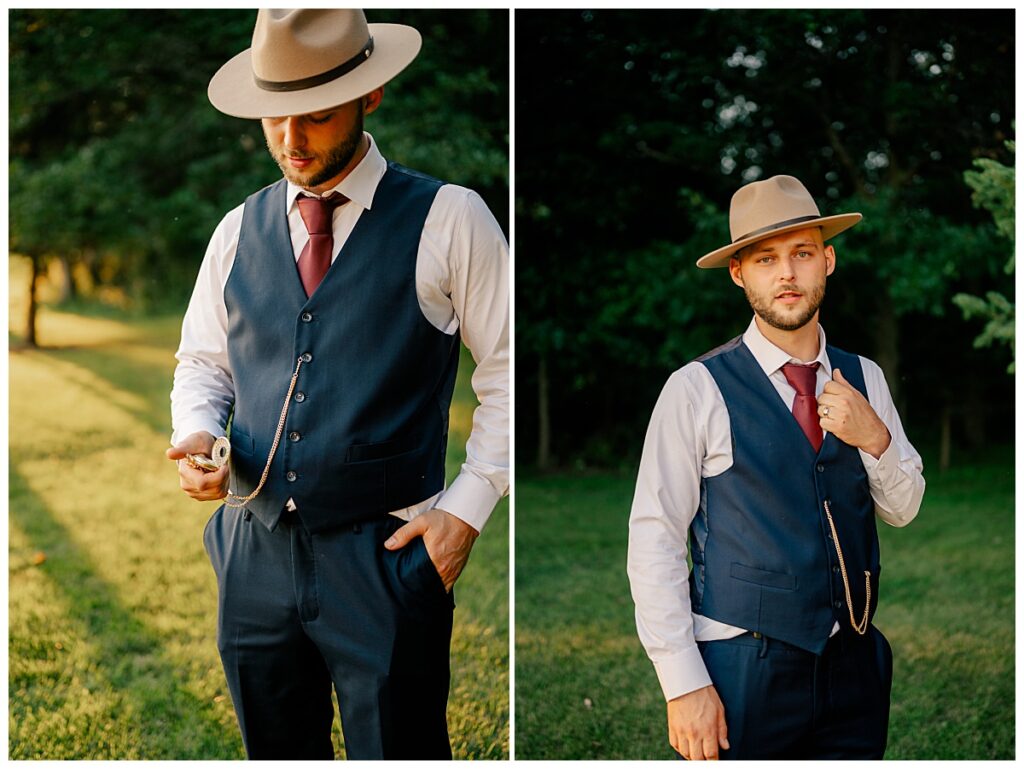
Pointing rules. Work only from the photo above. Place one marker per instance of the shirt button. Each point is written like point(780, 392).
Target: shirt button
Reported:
point(821, 468)
point(307, 357)
point(294, 437)
point(300, 396)
point(307, 317)
point(291, 475)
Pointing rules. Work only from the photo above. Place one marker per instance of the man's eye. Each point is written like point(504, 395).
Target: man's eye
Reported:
point(320, 120)
point(764, 260)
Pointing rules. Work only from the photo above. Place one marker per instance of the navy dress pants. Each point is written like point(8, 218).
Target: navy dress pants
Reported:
point(782, 702)
point(299, 612)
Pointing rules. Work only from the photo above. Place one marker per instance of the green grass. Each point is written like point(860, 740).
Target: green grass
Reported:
point(112, 638)
point(947, 607)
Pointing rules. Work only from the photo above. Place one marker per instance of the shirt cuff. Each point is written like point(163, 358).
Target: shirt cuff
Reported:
point(883, 466)
point(682, 673)
point(470, 499)
point(185, 429)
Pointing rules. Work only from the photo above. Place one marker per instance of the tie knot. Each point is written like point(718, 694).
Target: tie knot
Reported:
point(316, 212)
point(801, 377)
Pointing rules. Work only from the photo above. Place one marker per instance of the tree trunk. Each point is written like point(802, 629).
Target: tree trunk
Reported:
point(543, 416)
point(946, 439)
point(887, 347)
point(67, 281)
point(30, 325)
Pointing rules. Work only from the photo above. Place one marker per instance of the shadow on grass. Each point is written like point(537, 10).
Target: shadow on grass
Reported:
point(117, 365)
point(127, 656)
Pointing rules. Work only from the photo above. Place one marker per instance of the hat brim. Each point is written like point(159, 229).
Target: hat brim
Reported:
point(233, 89)
point(830, 227)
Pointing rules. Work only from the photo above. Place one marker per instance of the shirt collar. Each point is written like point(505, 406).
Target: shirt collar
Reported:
point(360, 185)
point(770, 358)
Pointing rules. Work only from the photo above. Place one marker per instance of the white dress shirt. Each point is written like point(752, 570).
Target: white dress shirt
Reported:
point(462, 283)
point(688, 439)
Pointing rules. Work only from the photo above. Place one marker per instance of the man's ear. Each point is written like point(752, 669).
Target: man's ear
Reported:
point(372, 100)
point(735, 272)
point(830, 260)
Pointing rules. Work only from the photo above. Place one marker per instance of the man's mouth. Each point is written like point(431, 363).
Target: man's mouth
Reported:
point(299, 162)
point(788, 297)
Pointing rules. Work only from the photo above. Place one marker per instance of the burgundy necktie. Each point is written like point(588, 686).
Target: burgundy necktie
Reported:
point(315, 259)
point(805, 405)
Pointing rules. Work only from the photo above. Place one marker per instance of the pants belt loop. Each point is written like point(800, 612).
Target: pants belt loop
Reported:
point(764, 647)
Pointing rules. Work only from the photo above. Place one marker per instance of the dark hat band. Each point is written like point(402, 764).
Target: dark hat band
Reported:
point(777, 226)
point(310, 82)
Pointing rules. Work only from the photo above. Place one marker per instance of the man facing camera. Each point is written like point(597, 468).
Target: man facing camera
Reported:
point(768, 460)
point(326, 322)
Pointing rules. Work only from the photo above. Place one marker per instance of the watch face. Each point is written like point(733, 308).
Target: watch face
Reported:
point(221, 451)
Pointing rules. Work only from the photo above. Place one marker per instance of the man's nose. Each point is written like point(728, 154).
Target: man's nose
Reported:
point(786, 269)
point(294, 136)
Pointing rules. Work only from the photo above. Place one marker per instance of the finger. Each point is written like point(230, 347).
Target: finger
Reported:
point(830, 398)
point(406, 534)
point(696, 749)
point(723, 730)
point(710, 748)
point(833, 388)
point(829, 410)
point(195, 443)
point(212, 480)
point(838, 376)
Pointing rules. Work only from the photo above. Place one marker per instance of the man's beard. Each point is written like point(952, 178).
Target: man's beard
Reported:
point(764, 310)
point(333, 161)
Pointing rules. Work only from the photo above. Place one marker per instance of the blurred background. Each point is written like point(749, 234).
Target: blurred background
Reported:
point(633, 130)
point(119, 170)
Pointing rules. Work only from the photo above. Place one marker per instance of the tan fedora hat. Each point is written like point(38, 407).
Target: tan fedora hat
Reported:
point(771, 207)
point(305, 61)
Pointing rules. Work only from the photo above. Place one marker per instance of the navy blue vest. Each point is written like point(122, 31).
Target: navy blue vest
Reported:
point(764, 558)
point(367, 426)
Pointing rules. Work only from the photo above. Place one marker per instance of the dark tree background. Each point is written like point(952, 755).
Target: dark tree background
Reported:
point(120, 169)
point(635, 128)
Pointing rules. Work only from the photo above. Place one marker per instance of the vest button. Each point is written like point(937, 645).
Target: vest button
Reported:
point(307, 357)
point(839, 604)
point(821, 468)
point(307, 317)
point(300, 396)
point(291, 475)
point(294, 437)
point(835, 569)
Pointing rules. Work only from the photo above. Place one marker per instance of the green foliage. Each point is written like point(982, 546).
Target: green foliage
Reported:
point(994, 191)
point(586, 690)
point(118, 158)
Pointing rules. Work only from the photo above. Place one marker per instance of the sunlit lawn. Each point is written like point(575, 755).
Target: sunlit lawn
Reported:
point(585, 689)
point(112, 602)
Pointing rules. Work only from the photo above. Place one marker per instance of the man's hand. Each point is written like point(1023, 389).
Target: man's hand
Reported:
point(199, 484)
point(696, 725)
point(850, 417)
point(448, 541)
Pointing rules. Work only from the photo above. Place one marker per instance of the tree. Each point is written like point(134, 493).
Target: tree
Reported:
point(994, 190)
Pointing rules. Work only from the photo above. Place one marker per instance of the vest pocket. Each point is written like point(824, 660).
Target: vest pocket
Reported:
point(369, 452)
point(763, 577)
point(242, 442)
